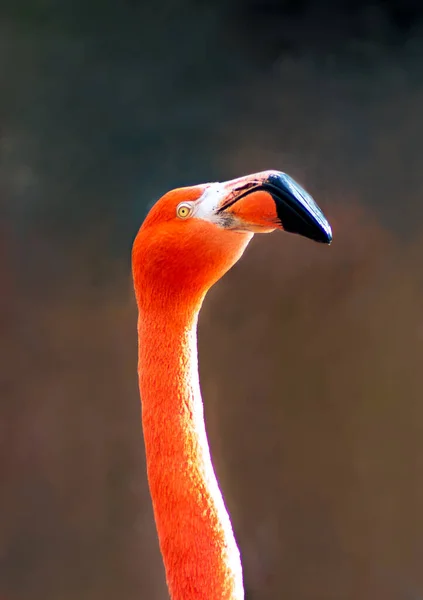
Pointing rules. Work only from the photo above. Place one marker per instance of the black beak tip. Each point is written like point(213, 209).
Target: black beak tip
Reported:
point(297, 211)
point(325, 236)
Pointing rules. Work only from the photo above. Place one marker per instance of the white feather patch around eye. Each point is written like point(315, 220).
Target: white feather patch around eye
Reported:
point(209, 201)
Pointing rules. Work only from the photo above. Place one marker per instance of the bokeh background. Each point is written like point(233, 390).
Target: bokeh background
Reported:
point(311, 357)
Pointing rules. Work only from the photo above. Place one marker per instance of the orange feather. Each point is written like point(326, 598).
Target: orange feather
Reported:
point(175, 261)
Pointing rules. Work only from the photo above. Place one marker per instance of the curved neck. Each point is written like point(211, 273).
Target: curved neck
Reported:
point(199, 551)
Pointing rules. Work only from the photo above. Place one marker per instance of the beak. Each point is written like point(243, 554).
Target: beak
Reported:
point(273, 200)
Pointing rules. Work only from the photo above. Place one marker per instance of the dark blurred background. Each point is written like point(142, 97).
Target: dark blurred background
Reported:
point(311, 357)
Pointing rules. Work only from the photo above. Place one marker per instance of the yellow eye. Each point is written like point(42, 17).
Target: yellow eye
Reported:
point(184, 210)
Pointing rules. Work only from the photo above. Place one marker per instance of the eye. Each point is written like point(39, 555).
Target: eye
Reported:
point(184, 210)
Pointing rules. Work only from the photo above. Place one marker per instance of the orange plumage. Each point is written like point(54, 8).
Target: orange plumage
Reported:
point(189, 240)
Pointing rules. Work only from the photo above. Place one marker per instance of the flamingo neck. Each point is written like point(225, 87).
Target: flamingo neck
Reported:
point(197, 543)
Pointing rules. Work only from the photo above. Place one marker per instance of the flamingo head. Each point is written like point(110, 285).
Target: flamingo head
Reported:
point(193, 235)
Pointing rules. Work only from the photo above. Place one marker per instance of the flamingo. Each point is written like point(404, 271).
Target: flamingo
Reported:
point(190, 238)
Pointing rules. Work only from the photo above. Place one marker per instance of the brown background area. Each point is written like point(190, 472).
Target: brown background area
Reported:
point(310, 357)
